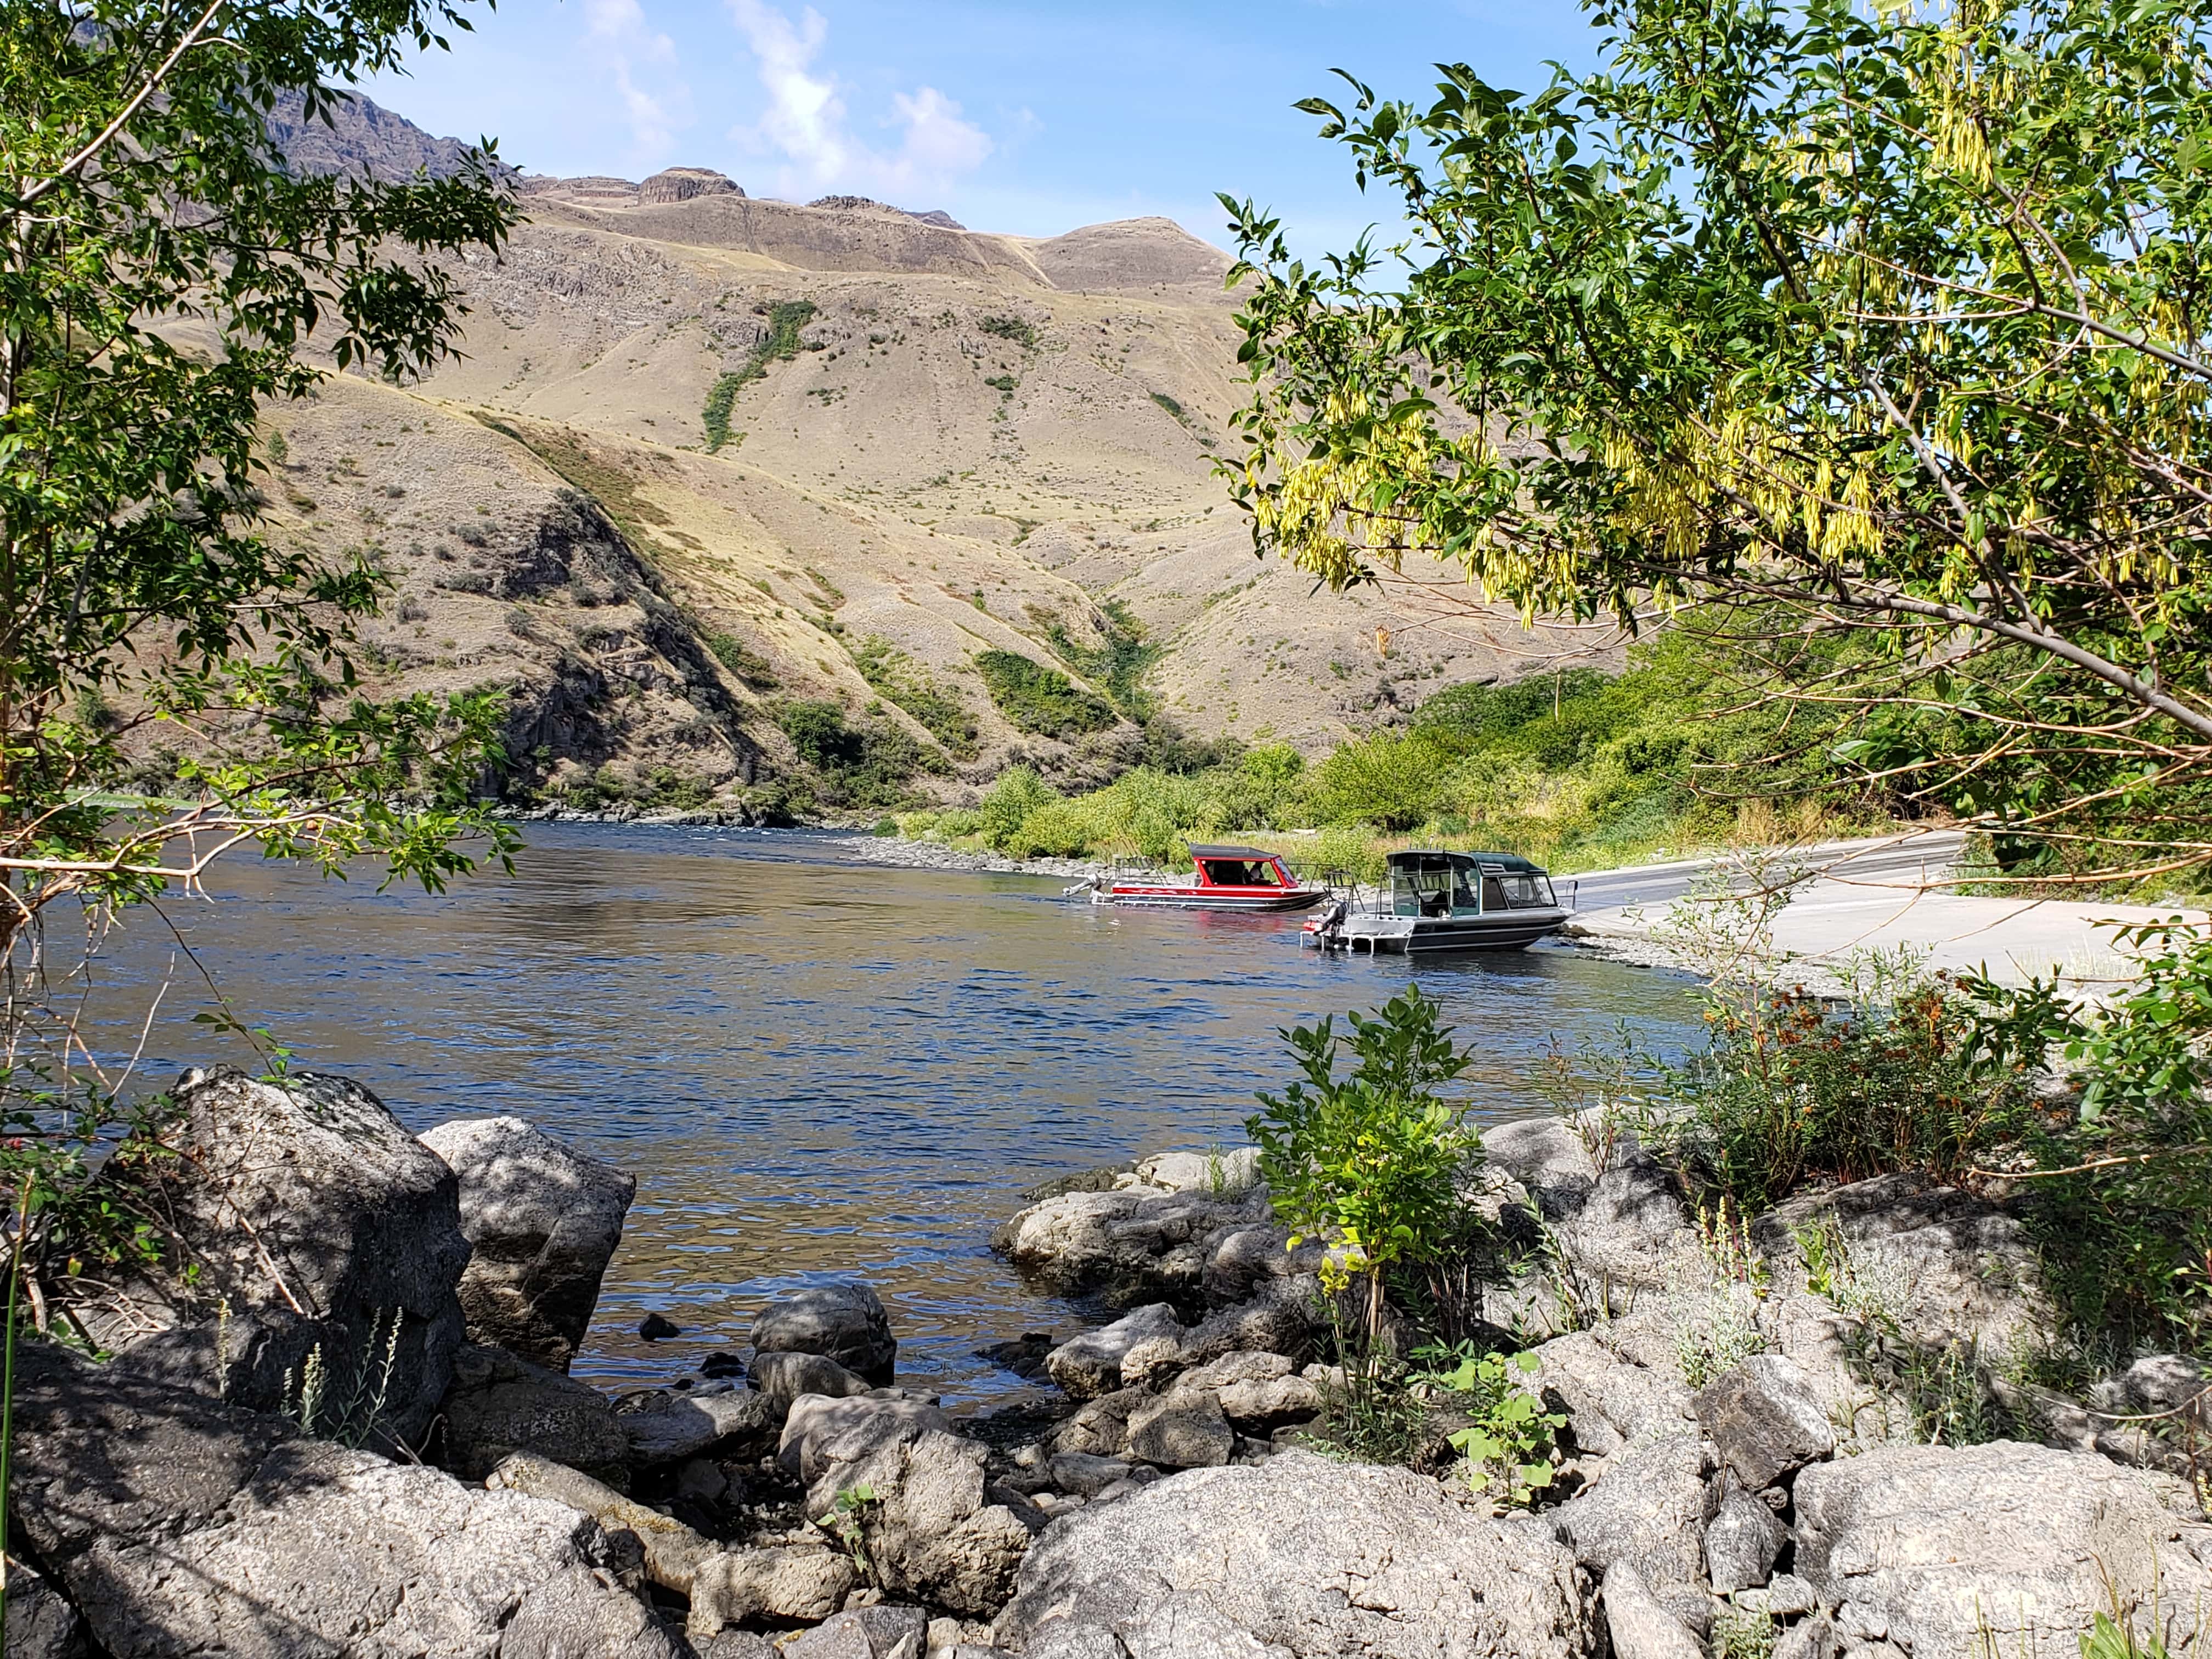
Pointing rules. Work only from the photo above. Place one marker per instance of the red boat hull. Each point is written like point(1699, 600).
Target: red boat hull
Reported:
point(1179, 897)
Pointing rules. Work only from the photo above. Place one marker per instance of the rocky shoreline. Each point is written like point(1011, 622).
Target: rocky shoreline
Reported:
point(337, 1420)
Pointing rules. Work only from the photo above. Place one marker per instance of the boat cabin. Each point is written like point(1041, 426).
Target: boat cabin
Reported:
point(1240, 867)
point(1464, 884)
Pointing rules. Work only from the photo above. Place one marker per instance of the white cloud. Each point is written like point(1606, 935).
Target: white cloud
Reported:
point(804, 120)
point(657, 112)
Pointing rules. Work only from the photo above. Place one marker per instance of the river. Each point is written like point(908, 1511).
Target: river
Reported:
point(815, 1067)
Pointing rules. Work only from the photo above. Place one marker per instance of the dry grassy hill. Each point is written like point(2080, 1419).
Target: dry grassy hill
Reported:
point(708, 455)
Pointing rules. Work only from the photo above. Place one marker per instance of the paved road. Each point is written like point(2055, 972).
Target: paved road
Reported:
point(1903, 862)
point(1875, 896)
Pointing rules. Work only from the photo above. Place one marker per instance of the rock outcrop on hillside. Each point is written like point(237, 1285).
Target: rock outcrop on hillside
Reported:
point(360, 136)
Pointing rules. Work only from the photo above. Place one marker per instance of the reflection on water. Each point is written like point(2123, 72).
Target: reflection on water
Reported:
point(815, 1068)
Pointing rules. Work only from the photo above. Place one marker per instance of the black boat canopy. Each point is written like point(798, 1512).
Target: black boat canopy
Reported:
point(1511, 862)
point(1198, 851)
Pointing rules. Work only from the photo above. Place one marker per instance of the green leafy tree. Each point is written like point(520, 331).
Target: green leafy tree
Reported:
point(164, 280)
point(1885, 319)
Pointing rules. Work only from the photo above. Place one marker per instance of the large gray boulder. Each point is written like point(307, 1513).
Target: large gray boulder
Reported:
point(1089, 1365)
point(798, 1582)
point(1742, 1541)
point(41, 1625)
point(542, 1220)
point(1941, 1550)
point(1641, 1626)
point(499, 1405)
point(1132, 1241)
point(181, 1526)
point(1609, 1397)
point(1302, 1556)
point(1549, 1157)
point(1948, 1266)
point(669, 1425)
point(913, 1493)
point(887, 1631)
point(821, 1434)
point(1186, 1429)
point(784, 1377)
point(1648, 1509)
point(303, 1232)
point(844, 1322)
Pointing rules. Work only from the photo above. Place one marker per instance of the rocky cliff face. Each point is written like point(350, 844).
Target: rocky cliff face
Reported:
point(830, 453)
point(362, 138)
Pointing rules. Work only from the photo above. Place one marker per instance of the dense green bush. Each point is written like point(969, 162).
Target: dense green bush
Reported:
point(1794, 1091)
point(1118, 663)
point(780, 344)
point(1038, 699)
point(1391, 781)
point(1954, 1081)
point(897, 679)
point(865, 766)
point(2120, 1183)
point(1017, 793)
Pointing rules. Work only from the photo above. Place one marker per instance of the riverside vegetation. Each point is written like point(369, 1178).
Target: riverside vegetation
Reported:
point(1577, 769)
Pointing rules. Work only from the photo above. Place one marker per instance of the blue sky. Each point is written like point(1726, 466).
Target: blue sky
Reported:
point(1028, 119)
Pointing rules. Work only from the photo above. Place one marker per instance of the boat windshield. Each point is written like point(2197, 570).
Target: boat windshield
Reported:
point(1515, 891)
point(1236, 873)
point(1431, 887)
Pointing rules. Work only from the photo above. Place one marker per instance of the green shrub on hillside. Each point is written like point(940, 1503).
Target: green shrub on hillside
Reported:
point(897, 679)
point(859, 766)
point(1021, 333)
point(1038, 699)
point(1391, 781)
point(781, 342)
point(1119, 663)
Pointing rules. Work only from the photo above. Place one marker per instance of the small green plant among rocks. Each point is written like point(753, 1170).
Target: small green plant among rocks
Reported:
point(1510, 1446)
point(848, 1522)
point(347, 1408)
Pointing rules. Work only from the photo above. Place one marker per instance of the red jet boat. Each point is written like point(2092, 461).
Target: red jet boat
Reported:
point(1228, 878)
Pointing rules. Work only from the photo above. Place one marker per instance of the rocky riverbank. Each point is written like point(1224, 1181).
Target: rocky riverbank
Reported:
point(337, 1420)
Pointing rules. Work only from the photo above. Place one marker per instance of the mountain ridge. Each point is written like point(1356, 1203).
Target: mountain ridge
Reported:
point(938, 444)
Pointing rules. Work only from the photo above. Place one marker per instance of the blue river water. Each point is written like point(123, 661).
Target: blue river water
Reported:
point(815, 1066)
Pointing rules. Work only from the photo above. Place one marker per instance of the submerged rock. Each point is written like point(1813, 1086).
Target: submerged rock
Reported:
point(300, 1220)
point(1301, 1556)
point(543, 1221)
